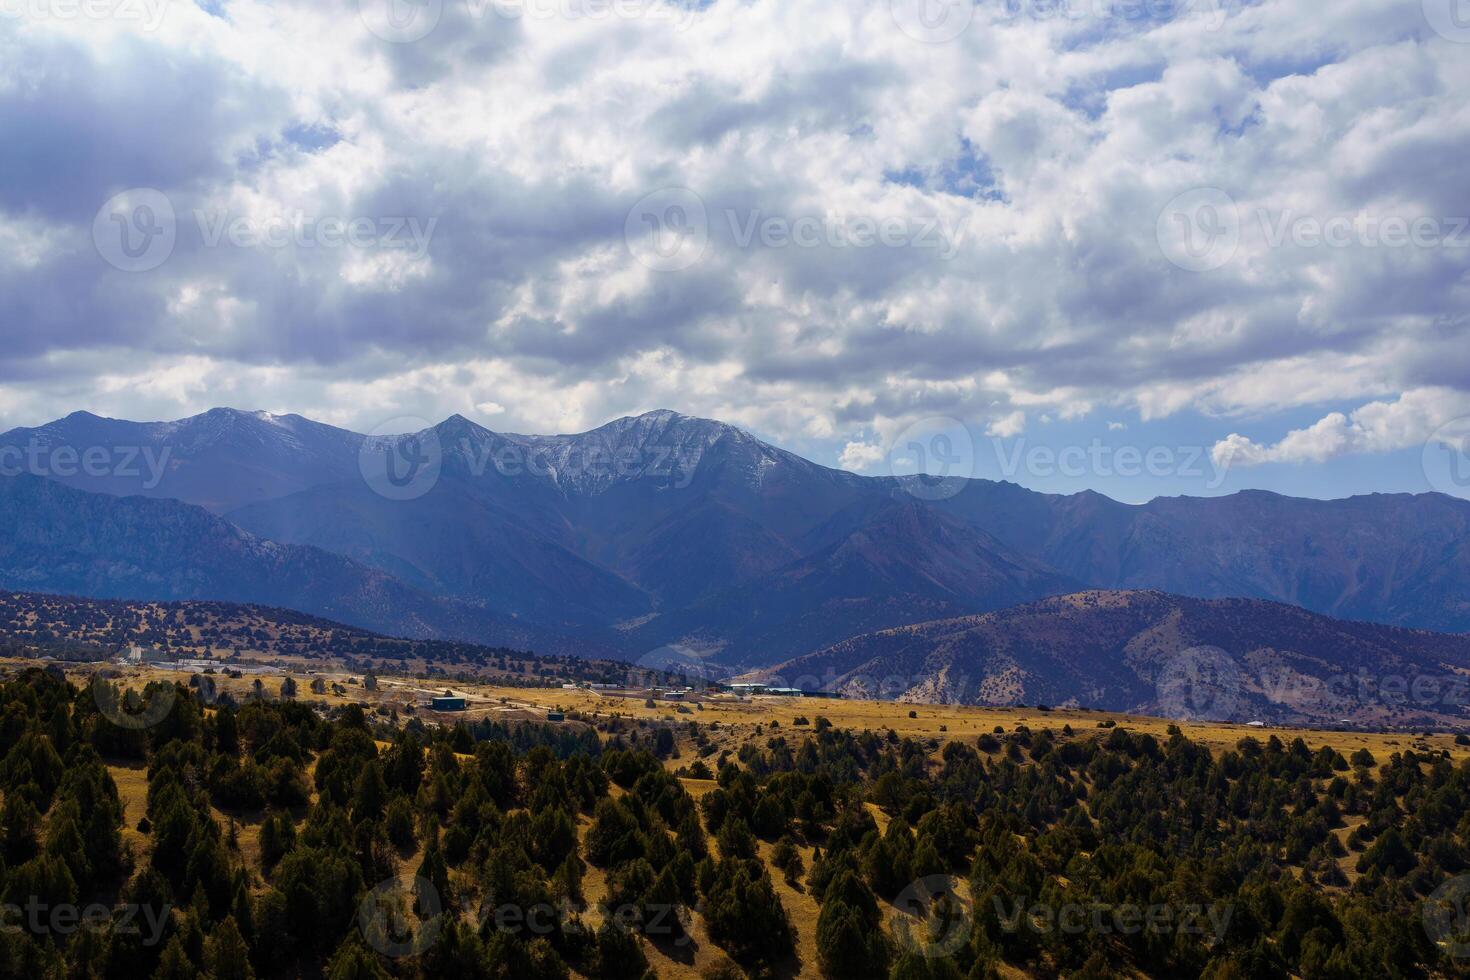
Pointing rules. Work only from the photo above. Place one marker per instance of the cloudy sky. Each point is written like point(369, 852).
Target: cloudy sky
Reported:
point(1122, 229)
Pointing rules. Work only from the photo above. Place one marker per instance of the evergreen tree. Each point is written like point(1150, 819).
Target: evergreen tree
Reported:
point(225, 954)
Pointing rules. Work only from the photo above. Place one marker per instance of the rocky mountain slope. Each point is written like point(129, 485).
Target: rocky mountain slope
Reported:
point(1151, 652)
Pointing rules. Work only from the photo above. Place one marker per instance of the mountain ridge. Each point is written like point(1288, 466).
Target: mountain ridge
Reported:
point(1126, 650)
point(702, 534)
point(58, 540)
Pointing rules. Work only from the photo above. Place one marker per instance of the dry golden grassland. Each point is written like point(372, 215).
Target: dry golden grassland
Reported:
point(941, 722)
point(731, 720)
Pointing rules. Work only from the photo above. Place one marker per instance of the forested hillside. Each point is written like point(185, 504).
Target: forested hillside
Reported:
point(154, 836)
point(77, 628)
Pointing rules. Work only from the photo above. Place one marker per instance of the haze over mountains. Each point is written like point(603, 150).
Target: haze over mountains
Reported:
point(56, 539)
point(661, 529)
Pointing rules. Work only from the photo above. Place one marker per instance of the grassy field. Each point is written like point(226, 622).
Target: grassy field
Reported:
point(730, 720)
point(939, 722)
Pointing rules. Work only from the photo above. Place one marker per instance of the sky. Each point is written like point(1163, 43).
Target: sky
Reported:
point(1138, 246)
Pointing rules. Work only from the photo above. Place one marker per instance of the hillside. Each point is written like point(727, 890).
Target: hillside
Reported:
point(56, 539)
point(74, 627)
point(1141, 651)
point(903, 563)
point(875, 843)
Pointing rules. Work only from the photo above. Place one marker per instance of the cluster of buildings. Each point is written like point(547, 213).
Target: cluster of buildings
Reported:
point(137, 656)
point(683, 693)
point(746, 690)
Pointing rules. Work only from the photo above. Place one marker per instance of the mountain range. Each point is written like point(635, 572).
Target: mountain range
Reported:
point(1154, 653)
point(655, 530)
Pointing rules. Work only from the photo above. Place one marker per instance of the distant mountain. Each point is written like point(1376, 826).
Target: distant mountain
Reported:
point(56, 539)
point(220, 460)
point(1150, 652)
point(663, 528)
point(636, 517)
point(452, 542)
point(1393, 558)
point(902, 562)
